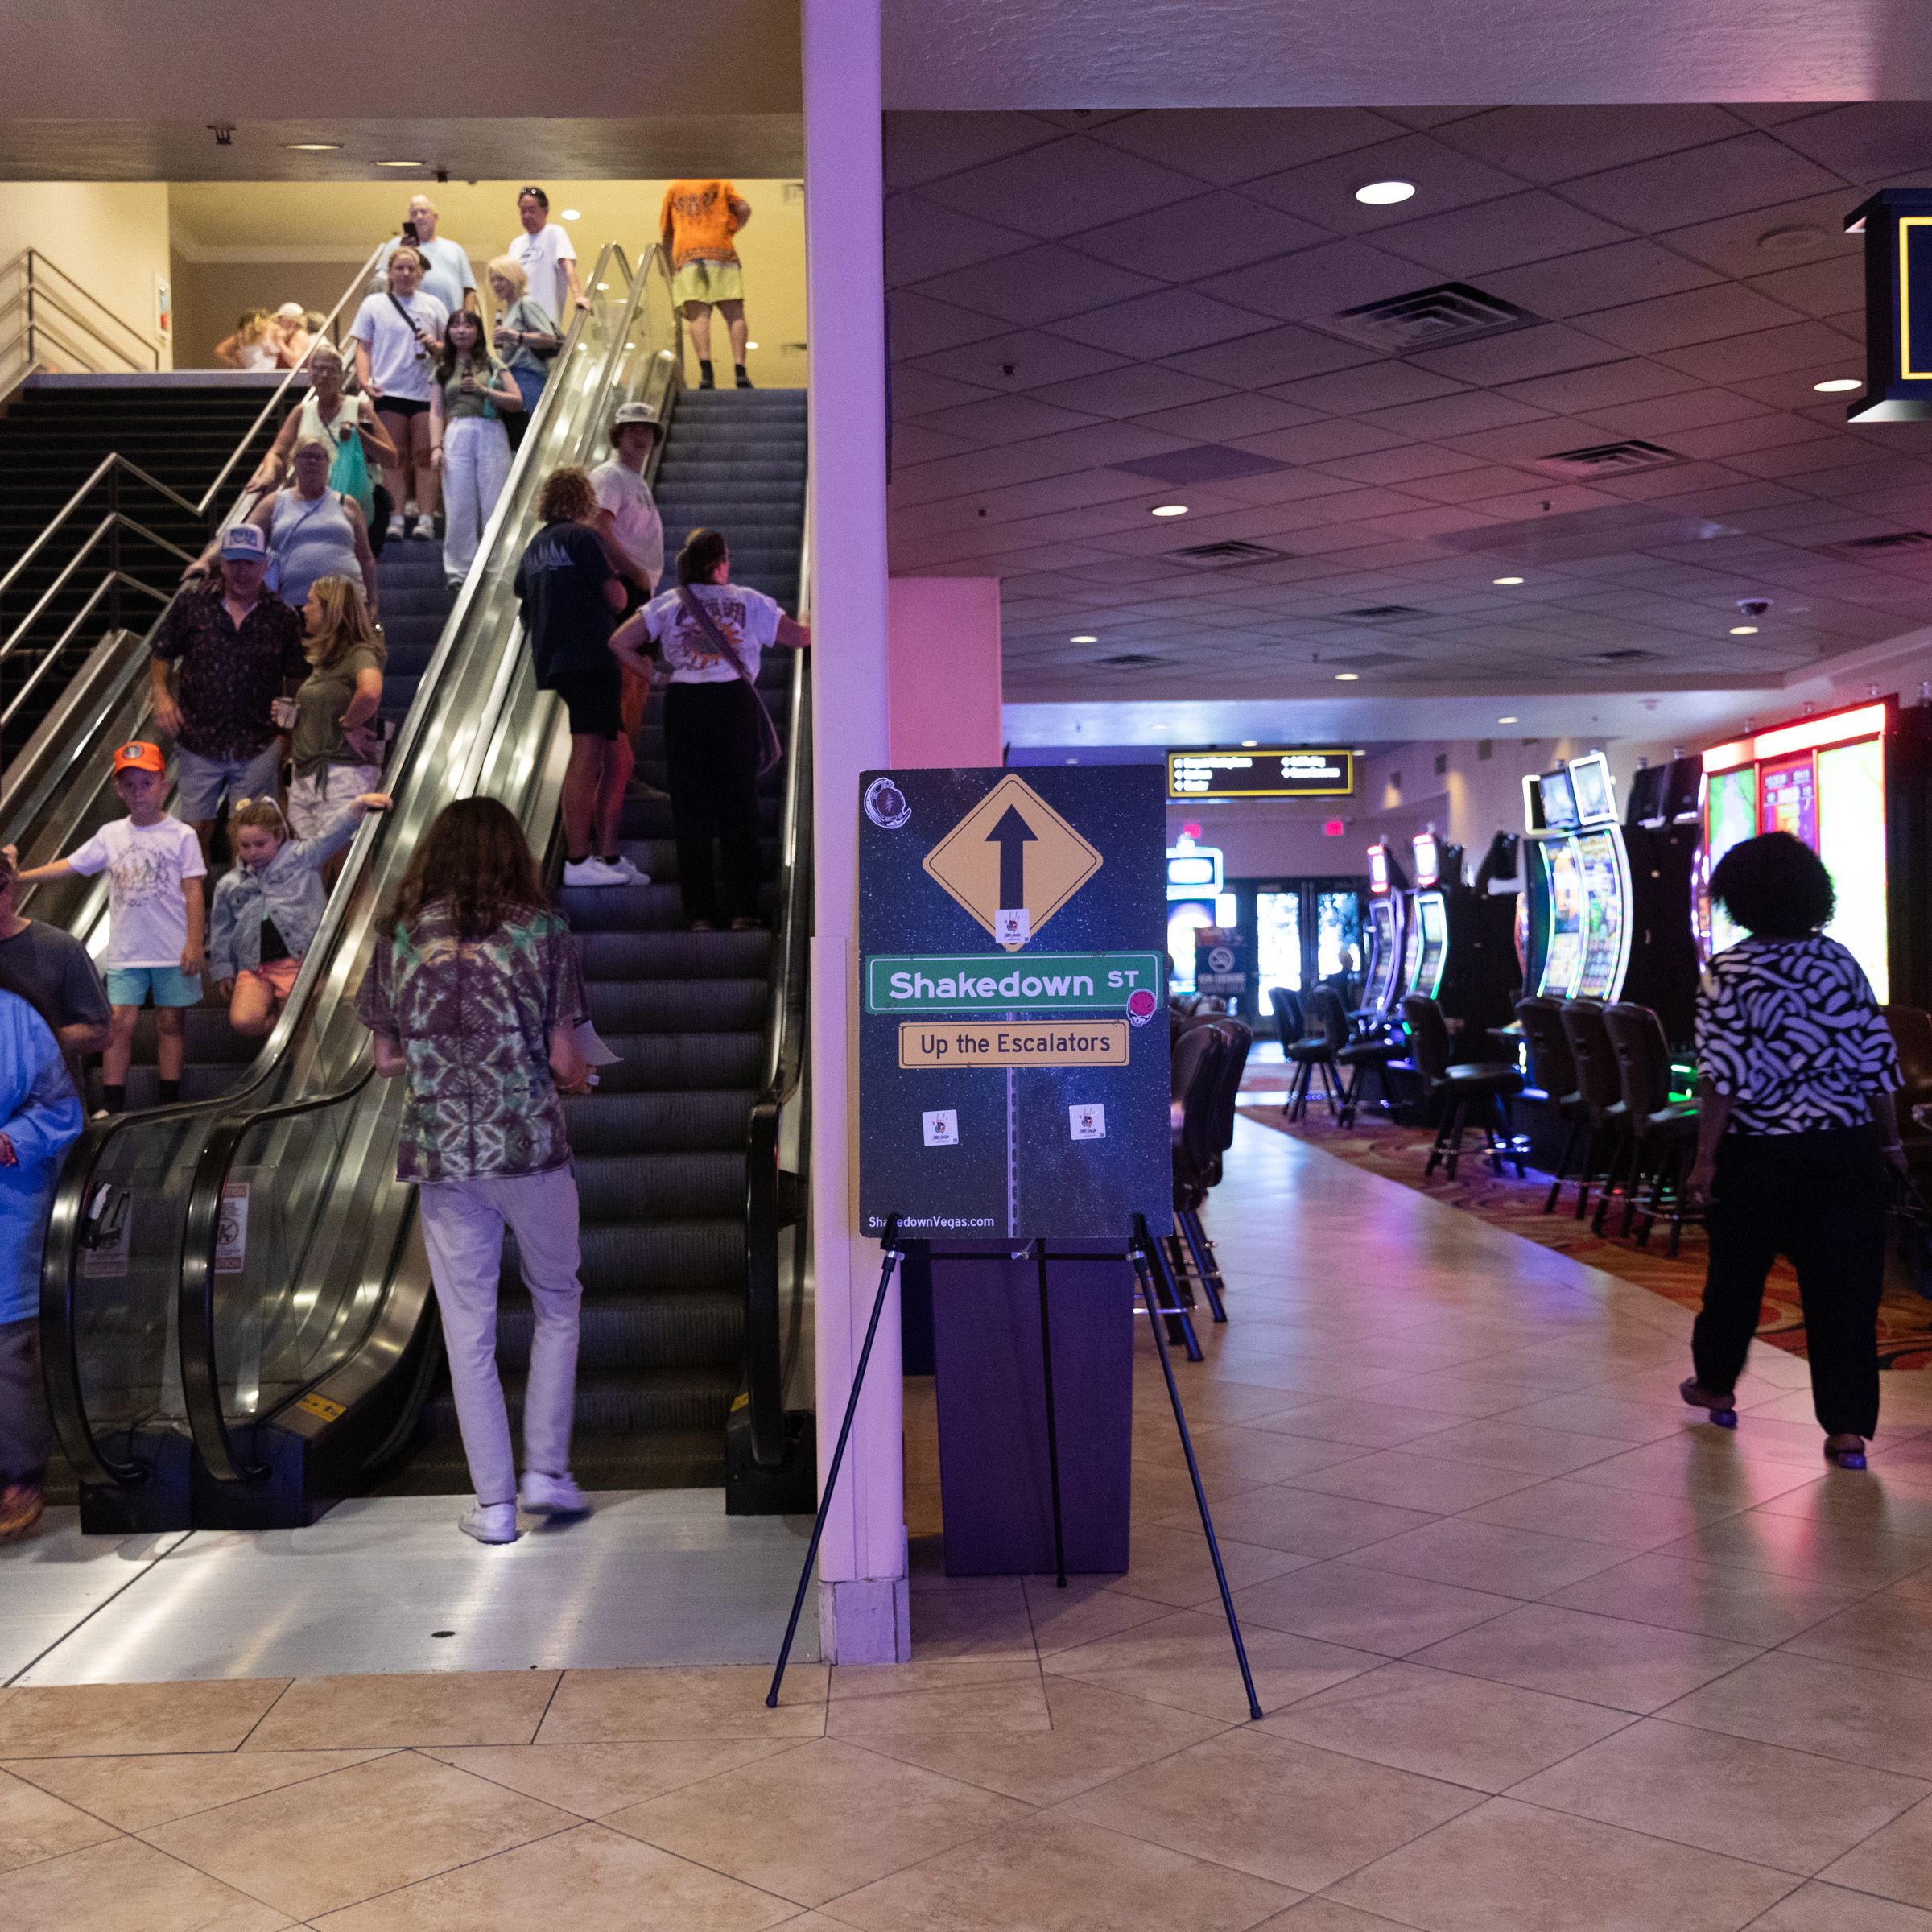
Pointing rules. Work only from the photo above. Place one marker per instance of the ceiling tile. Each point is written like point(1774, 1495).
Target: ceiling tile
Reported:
point(1553, 143)
point(1227, 145)
point(1491, 236)
point(1455, 415)
point(1318, 280)
point(1521, 355)
point(911, 444)
point(1137, 389)
point(1598, 277)
point(1006, 419)
point(1191, 240)
point(1467, 486)
point(1606, 384)
point(1747, 435)
point(1324, 191)
point(1235, 414)
point(915, 391)
point(1072, 184)
point(1264, 361)
point(1751, 170)
point(1322, 442)
point(1168, 323)
point(1379, 385)
point(1736, 246)
point(983, 469)
point(1820, 288)
point(1660, 417)
point(923, 146)
point(1874, 141)
point(1033, 286)
point(1768, 351)
point(924, 239)
point(921, 327)
point(1105, 443)
point(1403, 463)
point(1699, 314)
point(1036, 358)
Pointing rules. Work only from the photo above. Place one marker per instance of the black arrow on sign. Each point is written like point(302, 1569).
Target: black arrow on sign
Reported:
point(1013, 834)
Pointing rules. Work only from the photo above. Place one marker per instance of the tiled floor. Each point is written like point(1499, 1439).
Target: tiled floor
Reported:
point(1539, 1653)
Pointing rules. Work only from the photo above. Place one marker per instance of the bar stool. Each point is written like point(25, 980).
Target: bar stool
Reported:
point(1373, 1047)
point(1487, 1083)
point(1662, 1128)
point(1601, 1083)
point(1553, 1066)
point(1316, 1052)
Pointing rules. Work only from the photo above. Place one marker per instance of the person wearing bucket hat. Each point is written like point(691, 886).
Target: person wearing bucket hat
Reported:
point(627, 520)
point(234, 647)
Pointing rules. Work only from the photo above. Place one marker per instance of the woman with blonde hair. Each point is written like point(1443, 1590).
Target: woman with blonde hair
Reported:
point(252, 345)
point(336, 753)
point(348, 424)
point(526, 335)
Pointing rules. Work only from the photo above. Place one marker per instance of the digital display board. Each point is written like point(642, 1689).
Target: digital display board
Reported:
point(1590, 784)
point(1559, 802)
point(1273, 771)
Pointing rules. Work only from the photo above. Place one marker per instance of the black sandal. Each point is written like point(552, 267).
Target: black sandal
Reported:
point(1722, 1408)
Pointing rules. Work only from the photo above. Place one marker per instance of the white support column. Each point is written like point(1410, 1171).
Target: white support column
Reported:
point(863, 1610)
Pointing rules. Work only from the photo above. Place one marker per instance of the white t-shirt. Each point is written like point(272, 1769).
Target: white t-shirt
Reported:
point(749, 619)
point(394, 366)
point(540, 256)
point(633, 510)
point(146, 914)
point(446, 272)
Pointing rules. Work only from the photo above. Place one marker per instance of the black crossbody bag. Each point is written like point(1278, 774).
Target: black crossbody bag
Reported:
point(770, 752)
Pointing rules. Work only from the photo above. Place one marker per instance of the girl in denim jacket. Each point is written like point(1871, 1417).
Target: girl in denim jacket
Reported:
point(267, 909)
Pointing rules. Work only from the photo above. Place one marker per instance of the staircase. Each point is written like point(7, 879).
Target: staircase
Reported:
point(52, 440)
point(660, 1145)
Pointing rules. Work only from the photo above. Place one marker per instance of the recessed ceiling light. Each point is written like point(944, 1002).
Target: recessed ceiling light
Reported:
point(311, 147)
point(1249, 743)
point(1086, 637)
point(1509, 720)
point(402, 164)
point(1385, 194)
point(1346, 677)
point(1169, 509)
point(751, 345)
point(572, 214)
point(1838, 386)
point(1505, 580)
point(1744, 631)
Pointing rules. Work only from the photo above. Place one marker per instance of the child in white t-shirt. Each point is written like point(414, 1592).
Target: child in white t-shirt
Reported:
point(154, 871)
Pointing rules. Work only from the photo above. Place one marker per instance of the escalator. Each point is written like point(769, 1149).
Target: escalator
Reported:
point(235, 1305)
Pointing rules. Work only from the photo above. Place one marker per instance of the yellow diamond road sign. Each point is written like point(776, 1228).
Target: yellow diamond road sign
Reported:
point(1012, 842)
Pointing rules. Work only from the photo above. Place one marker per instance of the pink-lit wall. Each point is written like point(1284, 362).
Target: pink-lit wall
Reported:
point(942, 644)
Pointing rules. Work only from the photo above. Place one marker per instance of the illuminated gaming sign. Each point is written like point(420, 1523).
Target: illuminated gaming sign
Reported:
point(1276, 771)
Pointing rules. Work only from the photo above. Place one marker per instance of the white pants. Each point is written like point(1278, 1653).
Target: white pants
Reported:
point(475, 465)
point(463, 1223)
point(313, 799)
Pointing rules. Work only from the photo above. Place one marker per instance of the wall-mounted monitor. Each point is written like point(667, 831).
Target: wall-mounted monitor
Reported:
point(1591, 786)
point(1559, 802)
point(1266, 771)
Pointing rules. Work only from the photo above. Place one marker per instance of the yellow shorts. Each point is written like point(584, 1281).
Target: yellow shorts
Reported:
point(707, 281)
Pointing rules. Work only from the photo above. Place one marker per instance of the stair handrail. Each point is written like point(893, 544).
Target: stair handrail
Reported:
point(37, 259)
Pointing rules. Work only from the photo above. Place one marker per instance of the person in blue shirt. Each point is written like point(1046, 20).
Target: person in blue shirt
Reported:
point(40, 1118)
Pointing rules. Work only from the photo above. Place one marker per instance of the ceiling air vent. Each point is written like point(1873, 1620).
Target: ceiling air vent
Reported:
point(1380, 613)
point(1225, 556)
point(1606, 459)
point(1889, 544)
point(1431, 318)
point(1620, 657)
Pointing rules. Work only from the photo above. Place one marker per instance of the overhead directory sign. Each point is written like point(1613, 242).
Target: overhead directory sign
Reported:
point(1275, 771)
point(1896, 223)
point(1014, 1044)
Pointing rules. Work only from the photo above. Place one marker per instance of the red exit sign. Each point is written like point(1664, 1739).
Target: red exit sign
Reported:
point(1334, 829)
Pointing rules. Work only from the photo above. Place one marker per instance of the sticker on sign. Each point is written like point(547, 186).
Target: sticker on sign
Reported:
point(943, 1128)
point(1086, 1123)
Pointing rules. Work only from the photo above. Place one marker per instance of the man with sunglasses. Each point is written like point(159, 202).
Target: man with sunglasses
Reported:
point(543, 252)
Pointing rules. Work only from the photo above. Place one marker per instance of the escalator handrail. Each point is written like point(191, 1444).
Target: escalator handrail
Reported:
point(61, 1257)
point(201, 1236)
point(108, 465)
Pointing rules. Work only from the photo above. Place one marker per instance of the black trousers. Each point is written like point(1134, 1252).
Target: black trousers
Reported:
point(710, 744)
point(1821, 1199)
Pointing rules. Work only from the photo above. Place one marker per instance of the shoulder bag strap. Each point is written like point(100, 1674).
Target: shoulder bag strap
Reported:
point(770, 750)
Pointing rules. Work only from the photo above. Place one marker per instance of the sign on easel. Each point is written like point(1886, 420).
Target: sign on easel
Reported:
point(1014, 1044)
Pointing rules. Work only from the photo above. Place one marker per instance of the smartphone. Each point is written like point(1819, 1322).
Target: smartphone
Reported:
point(409, 231)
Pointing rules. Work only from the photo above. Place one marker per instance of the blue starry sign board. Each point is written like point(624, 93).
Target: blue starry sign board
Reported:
point(1013, 1054)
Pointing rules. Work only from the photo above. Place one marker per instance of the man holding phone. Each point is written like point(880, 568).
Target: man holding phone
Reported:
point(446, 271)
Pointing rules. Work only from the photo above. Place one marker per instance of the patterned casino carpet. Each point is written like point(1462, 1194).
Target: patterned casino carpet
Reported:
point(1399, 1153)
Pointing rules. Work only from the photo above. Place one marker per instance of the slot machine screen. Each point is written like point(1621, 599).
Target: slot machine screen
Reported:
point(1603, 907)
point(1564, 956)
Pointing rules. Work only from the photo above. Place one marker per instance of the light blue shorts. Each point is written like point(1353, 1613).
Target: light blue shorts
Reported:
point(130, 985)
point(199, 781)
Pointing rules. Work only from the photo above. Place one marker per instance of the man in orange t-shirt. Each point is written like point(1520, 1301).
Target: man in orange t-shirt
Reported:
point(699, 220)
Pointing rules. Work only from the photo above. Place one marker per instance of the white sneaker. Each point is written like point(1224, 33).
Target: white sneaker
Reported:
point(631, 874)
point(593, 872)
point(553, 1495)
point(425, 532)
point(395, 526)
point(490, 1522)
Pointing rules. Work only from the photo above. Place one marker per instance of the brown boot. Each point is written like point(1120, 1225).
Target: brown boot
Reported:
point(20, 1508)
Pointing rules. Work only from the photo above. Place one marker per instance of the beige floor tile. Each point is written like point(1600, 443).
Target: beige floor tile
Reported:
point(1819, 1550)
point(1890, 1632)
point(1788, 1810)
point(1157, 1489)
point(1822, 1908)
point(1602, 1660)
point(1171, 1565)
point(1896, 1863)
point(1303, 1522)
point(728, 1700)
point(1449, 1394)
point(1890, 1502)
point(1378, 1610)
point(34, 1824)
point(943, 1673)
point(111, 1720)
point(134, 1793)
point(1188, 1660)
point(1090, 1607)
point(1096, 1735)
point(590, 1879)
point(1489, 1556)
point(823, 1819)
point(125, 1885)
point(1622, 1419)
point(1360, 1421)
point(1237, 1454)
point(1510, 1867)
point(1744, 1606)
point(1506, 1441)
point(1215, 1400)
point(1325, 1915)
point(1630, 1519)
point(1466, 1730)
point(1702, 1463)
point(1412, 1478)
point(972, 1700)
point(591, 1781)
point(444, 1707)
point(1865, 1717)
point(972, 1617)
point(406, 1817)
point(1273, 1807)
point(1054, 1873)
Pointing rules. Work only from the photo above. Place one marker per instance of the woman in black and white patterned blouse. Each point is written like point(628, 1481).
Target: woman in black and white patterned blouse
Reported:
point(1796, 1072)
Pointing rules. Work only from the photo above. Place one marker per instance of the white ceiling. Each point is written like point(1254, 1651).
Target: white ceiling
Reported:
point(1152, 279)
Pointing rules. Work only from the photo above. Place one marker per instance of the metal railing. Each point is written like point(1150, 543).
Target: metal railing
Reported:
point(51, 311)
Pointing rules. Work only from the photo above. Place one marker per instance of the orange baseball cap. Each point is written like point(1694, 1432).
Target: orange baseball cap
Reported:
point(139, 757)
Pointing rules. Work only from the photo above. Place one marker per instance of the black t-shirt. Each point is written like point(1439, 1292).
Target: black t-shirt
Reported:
point(561, 581)
point(273, 946)
point(50, 969)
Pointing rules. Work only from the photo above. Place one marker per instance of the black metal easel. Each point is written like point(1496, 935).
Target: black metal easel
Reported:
point(1140, 1253)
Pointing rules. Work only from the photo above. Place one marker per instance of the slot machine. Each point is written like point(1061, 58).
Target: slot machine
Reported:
point(1554, 903)
point(1388, 936)
point(1603, 879)
point(1427, 948)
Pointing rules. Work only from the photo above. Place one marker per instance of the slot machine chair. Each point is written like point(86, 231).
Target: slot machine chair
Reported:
point(1911, 1030)
point(1663, 1131)
point(1207, 1133)
point(1378, 1048)
point(1287, 1006)
point(1600, 1082)
point(1486, 1085)
point(1553, 1066)
point(1316, 1051)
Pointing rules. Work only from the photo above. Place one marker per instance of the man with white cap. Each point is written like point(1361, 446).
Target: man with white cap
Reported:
point(446, 271)
point(237, 647)
point(627, 520)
